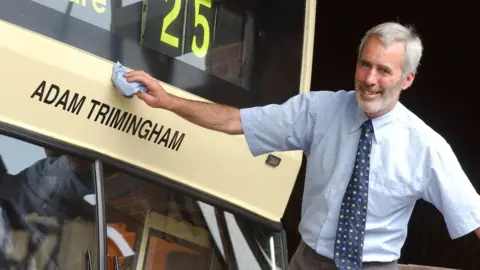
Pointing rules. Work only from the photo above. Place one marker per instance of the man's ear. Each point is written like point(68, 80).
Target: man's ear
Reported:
point(408, 81)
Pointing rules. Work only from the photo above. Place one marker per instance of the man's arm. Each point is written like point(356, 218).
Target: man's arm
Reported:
point(212, 116)
point(292, 125)
point(450, 191)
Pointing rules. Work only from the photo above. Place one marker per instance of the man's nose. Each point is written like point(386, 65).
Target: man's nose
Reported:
point(371, 78)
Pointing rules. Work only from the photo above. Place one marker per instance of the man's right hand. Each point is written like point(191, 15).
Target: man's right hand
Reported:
point(156, 96)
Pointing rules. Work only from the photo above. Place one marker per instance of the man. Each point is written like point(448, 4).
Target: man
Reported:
point(369, 157)
point(42, 212)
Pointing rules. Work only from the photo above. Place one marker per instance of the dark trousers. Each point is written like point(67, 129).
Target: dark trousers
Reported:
point(305, 258)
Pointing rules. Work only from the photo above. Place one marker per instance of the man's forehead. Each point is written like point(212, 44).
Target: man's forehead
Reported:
point(379, 53)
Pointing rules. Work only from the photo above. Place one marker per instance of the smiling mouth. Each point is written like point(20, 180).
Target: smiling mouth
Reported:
point(368, 93)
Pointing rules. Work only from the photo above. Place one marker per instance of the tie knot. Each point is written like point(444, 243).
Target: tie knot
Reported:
point(367, 127)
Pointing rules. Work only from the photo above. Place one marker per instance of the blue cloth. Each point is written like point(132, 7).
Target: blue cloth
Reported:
point(353, 211)
point(123, 87)
point(408, 161)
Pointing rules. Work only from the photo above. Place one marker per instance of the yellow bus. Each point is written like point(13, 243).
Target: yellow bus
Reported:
point(94, 180)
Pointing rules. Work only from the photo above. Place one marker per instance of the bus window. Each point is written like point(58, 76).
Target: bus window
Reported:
point(45, 221)
point(153, 227)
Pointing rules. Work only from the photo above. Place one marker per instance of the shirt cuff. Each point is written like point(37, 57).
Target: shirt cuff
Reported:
point(469, 224)
point(246, 116)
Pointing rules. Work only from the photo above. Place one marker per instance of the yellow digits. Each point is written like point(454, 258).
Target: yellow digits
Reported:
point(167, 20)
point(199, 21)
point(203, 22)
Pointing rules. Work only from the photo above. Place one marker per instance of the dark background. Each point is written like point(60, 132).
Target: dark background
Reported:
point(443, 95)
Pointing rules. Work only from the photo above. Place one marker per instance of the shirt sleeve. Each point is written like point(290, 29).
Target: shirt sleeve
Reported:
point(288, 126)
point(451, 192)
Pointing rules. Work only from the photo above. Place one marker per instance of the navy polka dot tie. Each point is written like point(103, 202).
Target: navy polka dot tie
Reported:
point(348, 249)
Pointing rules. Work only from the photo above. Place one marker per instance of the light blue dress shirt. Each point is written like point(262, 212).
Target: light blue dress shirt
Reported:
point(409, 161)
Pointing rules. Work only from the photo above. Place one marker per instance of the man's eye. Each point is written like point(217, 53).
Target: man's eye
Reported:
point(384, 71)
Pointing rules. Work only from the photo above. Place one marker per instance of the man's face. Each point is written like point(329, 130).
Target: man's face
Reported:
point(378, 77)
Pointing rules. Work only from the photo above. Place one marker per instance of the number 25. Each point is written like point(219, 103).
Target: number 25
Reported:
point(200, 20)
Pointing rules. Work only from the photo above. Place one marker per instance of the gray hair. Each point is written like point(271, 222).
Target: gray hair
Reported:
point(391, 31)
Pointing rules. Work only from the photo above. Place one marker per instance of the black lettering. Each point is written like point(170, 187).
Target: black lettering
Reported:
point(135, 125)
point(74, 106)
point(95, 103)
point(39, 91)
point(53, 92)
point(174, 143)
point(146, 131)
point(165, 137)
point(118, 120)
point(57, 91)
point(112, 111)
point(127, 122)
point(154, 131)
point(130, 123)
point(63, 100)
point(104, 109)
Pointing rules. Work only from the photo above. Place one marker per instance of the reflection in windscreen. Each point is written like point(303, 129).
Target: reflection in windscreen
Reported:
point(244, 254)
point(45, 223)
point(16, 160)
point(211, 220)
point(168, 230)
point(165, 229)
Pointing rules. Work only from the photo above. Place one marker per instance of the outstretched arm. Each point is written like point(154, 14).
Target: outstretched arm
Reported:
point(213, 116)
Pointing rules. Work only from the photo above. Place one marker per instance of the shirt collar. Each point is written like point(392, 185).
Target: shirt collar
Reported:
point(379, 123)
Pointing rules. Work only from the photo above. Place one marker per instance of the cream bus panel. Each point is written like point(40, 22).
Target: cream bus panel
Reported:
point(67, 94)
